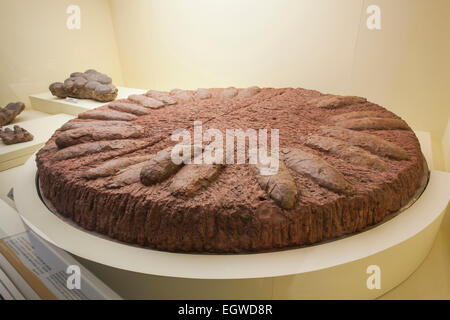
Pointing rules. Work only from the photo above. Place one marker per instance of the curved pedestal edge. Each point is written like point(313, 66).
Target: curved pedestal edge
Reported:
point(332, 270)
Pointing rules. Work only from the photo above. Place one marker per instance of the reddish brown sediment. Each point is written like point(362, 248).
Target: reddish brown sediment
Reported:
point(226, 210)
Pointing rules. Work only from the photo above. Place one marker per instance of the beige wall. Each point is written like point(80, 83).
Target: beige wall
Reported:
point(323, 45)
point(37, 48)
point(446, 146)
point(178, 43)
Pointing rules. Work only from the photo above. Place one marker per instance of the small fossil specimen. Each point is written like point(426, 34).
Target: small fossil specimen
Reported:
point(161, 96)
point(281, 186)
point(125, 177)
point(107, 115)
point(373, 124)
point(88, 85)
point(334, 102)
point(182, 95)
point(88, 134)
point(18, 135)
point(10, 112)
point(203, 94)
point(317, 169)
point(159, 168)
point(372, 143)
point(360, 114)
point(82, 124)
point(162, 166)
point(146, 101)
point(129, 108)
point(229, 93)
point(346, 151)
point(111, 167)
point(84, 149)
point(248, 92)
point(193, 177)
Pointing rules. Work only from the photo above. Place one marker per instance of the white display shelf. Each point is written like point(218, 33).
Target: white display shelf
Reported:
point(48, 103)
point(41, 128)
point(336, 269)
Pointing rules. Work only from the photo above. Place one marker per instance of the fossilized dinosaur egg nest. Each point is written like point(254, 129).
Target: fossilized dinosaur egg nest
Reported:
point(345, 164)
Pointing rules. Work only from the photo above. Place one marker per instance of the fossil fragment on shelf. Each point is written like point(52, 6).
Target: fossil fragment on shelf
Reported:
point(360, 114)
point(372, 143)
point(107, 115)
point(126, 176)
point(146, 101)
point(193, 177)
point(162, 96)
point(88, 85)
point(335, 102)
point(317, 169)
point(203, 94)
point(84, 149)
point(18, 135)
point(111, 167)
point(346, 151)
point(88, 134)
point(82, 124)
point(129, 108)
point(248, 92)
point(373, 124)
point(10, 112)
point(229, 93)
point(162, 166)
point(280, 186)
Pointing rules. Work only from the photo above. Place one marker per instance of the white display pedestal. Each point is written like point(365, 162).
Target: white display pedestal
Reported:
point(332, 270)
point(48, 103)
